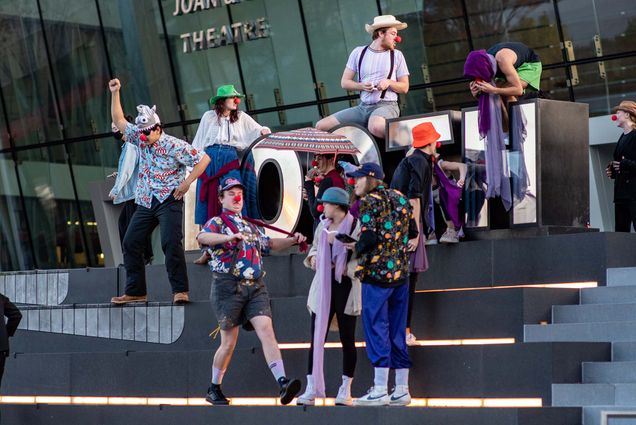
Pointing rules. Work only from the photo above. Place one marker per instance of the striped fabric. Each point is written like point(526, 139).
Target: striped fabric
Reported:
point(308, 140)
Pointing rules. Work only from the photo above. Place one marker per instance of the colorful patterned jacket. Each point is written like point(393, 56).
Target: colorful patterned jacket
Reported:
point(387, 226)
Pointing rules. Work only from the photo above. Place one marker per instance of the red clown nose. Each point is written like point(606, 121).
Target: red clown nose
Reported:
point(398, 39)
point(237, 198)
point(351, 181)
point(143, 138)
point(614, 117)
point(237, 100)
point(314, 163)
point(320, 208)
point(438, 145)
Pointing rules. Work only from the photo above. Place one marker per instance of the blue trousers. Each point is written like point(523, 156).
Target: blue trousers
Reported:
point(384, 319)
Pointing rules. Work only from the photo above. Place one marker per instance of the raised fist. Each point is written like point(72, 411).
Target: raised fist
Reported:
point(114, 85)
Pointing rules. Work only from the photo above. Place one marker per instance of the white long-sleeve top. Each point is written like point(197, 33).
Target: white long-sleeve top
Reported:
point(214, 130)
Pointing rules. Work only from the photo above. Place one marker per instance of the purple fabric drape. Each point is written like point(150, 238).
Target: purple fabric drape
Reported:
point(480, 64)
point(449, 196)
point(326, 256)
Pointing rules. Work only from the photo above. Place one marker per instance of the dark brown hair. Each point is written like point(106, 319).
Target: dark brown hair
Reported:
point(378, 32)
point(219, 108)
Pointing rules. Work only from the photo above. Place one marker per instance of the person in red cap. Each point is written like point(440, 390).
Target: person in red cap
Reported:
point(382, 75)
point(413, 177)
point(623, 168)
point(239, 295)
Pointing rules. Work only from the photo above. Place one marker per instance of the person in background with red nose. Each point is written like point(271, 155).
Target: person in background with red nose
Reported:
point(322, 176)
point(223, 133)
point(623, 168)
point(382, 75)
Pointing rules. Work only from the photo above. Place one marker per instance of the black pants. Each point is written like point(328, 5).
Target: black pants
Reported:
point(125, 217)
point(412, 285)
point(346, 325)
point(625, 216)
point(169, 216)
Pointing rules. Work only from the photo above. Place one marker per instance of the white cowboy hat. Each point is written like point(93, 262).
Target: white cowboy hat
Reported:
point(384, 21)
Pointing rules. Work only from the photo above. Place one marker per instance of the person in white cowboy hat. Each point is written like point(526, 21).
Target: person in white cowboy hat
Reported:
point(381, 75)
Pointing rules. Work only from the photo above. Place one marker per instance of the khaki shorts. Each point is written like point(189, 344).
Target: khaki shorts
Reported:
point(360, 114)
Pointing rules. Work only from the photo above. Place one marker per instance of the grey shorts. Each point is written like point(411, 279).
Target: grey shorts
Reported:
point(236, 303)
point(360, 114)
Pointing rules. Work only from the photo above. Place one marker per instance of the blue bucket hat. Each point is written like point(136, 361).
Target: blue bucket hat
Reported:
point(370, 169)
point(336, 196)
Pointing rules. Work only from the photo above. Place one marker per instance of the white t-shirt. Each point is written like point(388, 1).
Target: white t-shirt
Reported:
point(375, 68)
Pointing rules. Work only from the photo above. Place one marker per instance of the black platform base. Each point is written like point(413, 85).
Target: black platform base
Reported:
point(232, 415)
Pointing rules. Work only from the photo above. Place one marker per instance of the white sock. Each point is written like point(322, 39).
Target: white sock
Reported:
point(346, 381)
point(217, 375)
point(381, 377)
point(277, 368)
point(402, 377)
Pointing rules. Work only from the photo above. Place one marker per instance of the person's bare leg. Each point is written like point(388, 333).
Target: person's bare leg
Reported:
point(224, 353)
point(265, 332)
point(377, 126)
point(327, 123)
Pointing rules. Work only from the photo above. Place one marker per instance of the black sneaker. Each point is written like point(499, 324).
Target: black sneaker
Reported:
point(215, 396)
point(288, 389)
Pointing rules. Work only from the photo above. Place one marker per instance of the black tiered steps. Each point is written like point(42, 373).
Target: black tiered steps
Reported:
point(74, 348)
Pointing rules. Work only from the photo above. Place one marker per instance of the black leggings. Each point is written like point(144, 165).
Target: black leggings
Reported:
point(346, 325)
point(625, 216)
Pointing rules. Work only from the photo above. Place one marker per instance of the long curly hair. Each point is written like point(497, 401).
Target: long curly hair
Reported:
point(219, 108)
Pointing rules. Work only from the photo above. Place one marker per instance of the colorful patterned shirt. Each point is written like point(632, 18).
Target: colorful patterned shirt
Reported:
point(162, 165)
point(247, 253)
point(386, 213)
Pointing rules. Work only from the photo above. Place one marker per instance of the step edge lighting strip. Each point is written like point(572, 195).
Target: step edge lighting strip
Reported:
point(421, 343)
point(528, 402)
point(569, 285)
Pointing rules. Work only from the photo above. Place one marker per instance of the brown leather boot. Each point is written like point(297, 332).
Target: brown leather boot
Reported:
point(181, 298)
point(125, 299)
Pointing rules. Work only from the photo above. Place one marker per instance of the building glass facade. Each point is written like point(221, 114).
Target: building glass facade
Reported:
point(59, 55)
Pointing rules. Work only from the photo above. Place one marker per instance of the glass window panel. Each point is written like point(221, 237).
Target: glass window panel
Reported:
point(51, 209)
point(15, 248)
point(137, 51)
point(25, 76)
point(80, 69)
point(435, 43)
point(530, 22)
point(199, 73)
point(614, 21)
point(279, 62)
point(603, 94)
point(334, 29)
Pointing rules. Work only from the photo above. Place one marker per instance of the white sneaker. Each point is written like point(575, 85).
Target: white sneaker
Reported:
point(344, 396)
point(411, 340)
point(376, 396)
point(308, 398)
point(449, 236)
point(432, 241)
point(400, 396)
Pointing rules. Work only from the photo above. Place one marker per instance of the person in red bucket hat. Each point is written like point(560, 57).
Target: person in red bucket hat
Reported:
point(623, 168)
point(413, 178)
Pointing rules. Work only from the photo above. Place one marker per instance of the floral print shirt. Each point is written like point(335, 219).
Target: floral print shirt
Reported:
point(162, 165)
point(386, 213)
point(246, 254)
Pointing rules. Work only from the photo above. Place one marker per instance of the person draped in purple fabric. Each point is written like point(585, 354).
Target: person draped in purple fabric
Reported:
point(449, 194)
point(335, 291)
point(482, 67)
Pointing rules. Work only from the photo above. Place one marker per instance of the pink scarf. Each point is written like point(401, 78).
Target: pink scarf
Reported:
point(325, 257)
